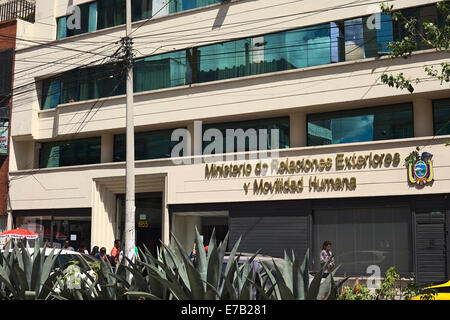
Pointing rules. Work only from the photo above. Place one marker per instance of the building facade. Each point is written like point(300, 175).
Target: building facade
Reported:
point(10, 12)
point(302, 81)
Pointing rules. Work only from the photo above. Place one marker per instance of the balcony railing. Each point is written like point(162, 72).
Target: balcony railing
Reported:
point(17, 9)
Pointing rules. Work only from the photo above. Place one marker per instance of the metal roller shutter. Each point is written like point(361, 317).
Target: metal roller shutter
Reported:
point(271, 227)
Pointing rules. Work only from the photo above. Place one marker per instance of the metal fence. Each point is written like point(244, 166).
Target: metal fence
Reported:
point(17, 9)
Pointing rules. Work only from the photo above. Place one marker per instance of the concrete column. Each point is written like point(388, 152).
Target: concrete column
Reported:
point(298, 129)
point(165, 226)
point(107, 151)
point(423, 117)
point(103, 223)
point(184, 229)
point(178, 224)
point(190, 223)
point(195, 130)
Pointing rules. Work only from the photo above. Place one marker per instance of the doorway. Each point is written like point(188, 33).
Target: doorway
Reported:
point(148, 219)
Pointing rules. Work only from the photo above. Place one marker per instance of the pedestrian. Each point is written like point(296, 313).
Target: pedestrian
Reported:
point(102, 254)
point(115, 252)
point(193, 252)
point(67, 246)
point(82, 249)
point(94, 251)
point(326, 255)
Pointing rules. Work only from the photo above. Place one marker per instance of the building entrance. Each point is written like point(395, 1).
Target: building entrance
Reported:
point(148, 219)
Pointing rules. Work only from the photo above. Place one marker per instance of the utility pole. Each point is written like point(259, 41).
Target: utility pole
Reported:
point(130, 179)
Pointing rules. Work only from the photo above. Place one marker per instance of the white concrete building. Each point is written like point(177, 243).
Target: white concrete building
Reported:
point(310, 69)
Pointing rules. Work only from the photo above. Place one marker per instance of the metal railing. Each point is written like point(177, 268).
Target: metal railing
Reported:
point(17, 9)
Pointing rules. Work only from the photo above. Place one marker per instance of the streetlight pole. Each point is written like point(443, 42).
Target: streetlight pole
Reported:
point(130, 179)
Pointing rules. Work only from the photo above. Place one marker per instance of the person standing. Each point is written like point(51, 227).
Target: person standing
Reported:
point(102, 254)
point(67, 246)
point(115, 252)
point(82, 249)
point(94, 251)
point(326, 255)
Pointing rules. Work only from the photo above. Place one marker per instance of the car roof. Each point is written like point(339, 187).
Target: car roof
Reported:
point(259, 257)
point(49, 250)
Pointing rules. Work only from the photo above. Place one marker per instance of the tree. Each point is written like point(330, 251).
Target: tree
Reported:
point(428, 34)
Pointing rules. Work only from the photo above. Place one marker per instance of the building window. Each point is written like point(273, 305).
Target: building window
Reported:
point(110, 13)
point(141, 9)
point(280, 51)
point(103, 14)
point(161, 71)
point(422, 14)
point(251, 137)
point(298, 48)
point(83, 84)
point(67, 25)
point(70, 153)
point(369, 124)
point(441, 117)
point(182, 5)
point(147, 145)
point(55, 230)
point(6, 73)
point(360, 38)
point(362, 237)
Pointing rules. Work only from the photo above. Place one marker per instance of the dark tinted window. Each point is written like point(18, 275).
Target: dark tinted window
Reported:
point(441, 117)
point(147, 145)
point(70, 153)
point(370, 124)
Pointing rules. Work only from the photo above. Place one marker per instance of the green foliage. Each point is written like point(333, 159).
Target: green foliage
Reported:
point(398, 81)
point(412, 157)
point(171, 275)
point(357, 292)
point(25, 276)
point(292, 283)
point(388, 288)
point(429, 34)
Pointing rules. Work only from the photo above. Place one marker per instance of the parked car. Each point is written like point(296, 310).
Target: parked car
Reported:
point(260, 258)
point(67, 257)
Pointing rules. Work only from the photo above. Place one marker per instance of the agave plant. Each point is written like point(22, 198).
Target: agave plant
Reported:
point(173, 275)
point(107, 283)
point(292, 281)
point(26, 276)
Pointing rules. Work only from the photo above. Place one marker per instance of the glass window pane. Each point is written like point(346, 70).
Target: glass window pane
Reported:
point(93, 16)
point(160, 71)
point(69, 153)
point(141, 9)
point(252, 128)
point(297, 48)
point(377, 32)
point(224, 60)
point(371, 124)
point(202, 3)
point(362, 237)
point(110, 13)
point(441, 116)
point(61, 28)
point(188, 4)
point(175, 6)
point(38, 224)
point(51, 93)
point(385, 34)
point(147, 145)
point(354, 39)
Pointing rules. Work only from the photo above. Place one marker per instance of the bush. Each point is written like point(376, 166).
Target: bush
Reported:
point(357, 292)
